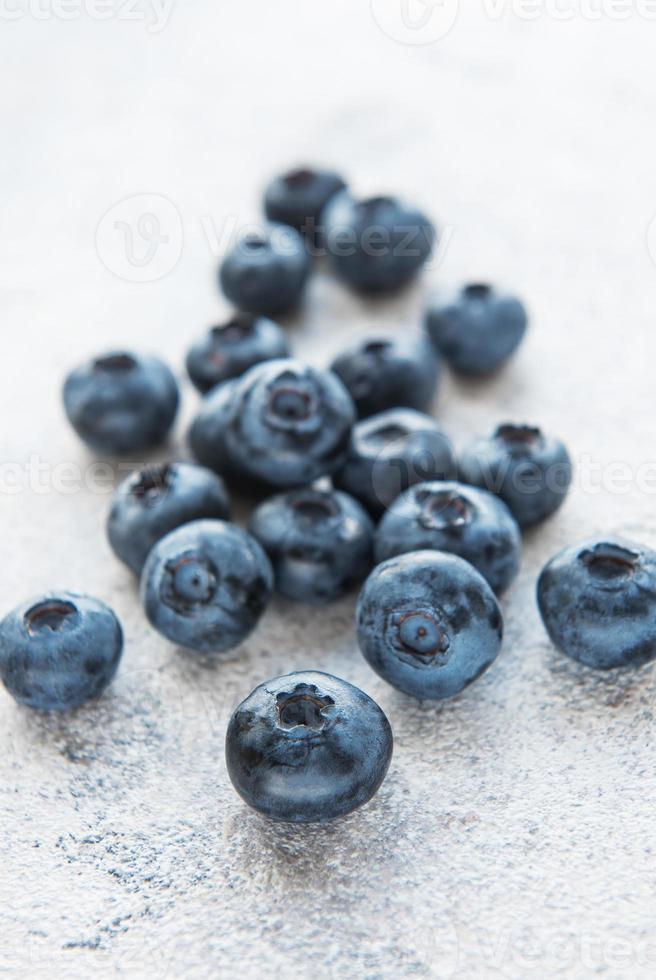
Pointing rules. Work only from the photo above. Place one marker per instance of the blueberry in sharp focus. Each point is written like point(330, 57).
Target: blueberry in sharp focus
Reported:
point(205, 585)
point(597, 600)
point(307, 748)
point(121, 403)
point(476, 327)
point(319, 542)
point(451, 517)
point(283, 424)
point(227, 350)
point(390, 452)
point(382, 373)
point(428, 623)
point(157, 499)
point(298, 197)
point(378, 244)
point(266, 272)
point(59, 650)
point(529, 470)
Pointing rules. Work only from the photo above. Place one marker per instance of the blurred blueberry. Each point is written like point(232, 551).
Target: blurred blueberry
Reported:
point(378, 244)
point(428, 623)
point(230, 349)
point(319, 542)
point(298, 197)
point(475, 327)
point(282, 424)
point(59, 650)
point(307, 748)
point(205, 585)
point(121, 403)
point(382, 373)
point(266, 272)
point(389, 453)
point(452, 517)
point(157, 499)
point(530, 471)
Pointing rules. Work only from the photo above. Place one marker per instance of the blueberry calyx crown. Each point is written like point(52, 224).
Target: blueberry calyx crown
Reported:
point(519, 440)
point(299, 177)
point(419, 632)
point(442, 510)
point(477, 291)
point(313, 506)
point(189, 582)
point(384, 435)
point(50, 616)
point(255, 243)
point(152, 483)
point(609, 562)
point(234, 330)
point(291, 402)
point(114, 363)
point(304, 707)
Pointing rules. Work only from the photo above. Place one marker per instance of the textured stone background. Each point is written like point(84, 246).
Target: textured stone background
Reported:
point(515, 834)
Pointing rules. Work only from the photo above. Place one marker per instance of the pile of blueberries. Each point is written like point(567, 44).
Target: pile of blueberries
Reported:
point(355, 483)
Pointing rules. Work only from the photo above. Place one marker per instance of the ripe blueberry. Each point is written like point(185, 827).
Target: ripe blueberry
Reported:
point(298, 197)
point(121, 403)
point(428, 623)
point(307, 748)
point(230, 349)
point(266, 272)
point(59, 650)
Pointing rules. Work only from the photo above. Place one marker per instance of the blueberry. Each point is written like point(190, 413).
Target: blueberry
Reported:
point(156, 500)
point(121, 403)
point(319, 542)
point(59, 650)
point(476, 327)
point(230, 349)
point(530, 471)
point(307, 748)
point(266, 272)
point(451, 517)
point(598, 603)
point(382, 373)
point(378, 244)
point(298, 197)
point(428, 623)
point(205, 585)
point(389, 453)
point(282, 423)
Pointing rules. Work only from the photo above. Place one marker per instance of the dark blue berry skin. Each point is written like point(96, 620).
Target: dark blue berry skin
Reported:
point(376, 245)
point(154, 501)
point(266, 272)
point(319, 542)
point(389, 453)
point(464, 521)
point(282, 424)
point(428, 623)
point(382, 373)
point(476, 328)
point(121, 403)
point(298, 197)
point(530, 471)
point(205, 585)
point(597, 600)
point(307, 748)
point(59, 650)
point(230, 349)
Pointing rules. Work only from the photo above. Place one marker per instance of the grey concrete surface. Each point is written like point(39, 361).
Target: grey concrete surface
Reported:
point(515, 834)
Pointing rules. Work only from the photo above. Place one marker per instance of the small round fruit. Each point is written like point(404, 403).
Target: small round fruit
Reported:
point(428, 623)
point(598, 603)
point(307, 748)
point(266, 272)
point(319, 542)
point(529, 470)
point(452, 517)
point(230, 349)
point(59, 650)
point(205, 585)
point(121, 403)
point(298, 197)
point(282, 424)
point(381, 373)
point(476, 327)
point(155, 500)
